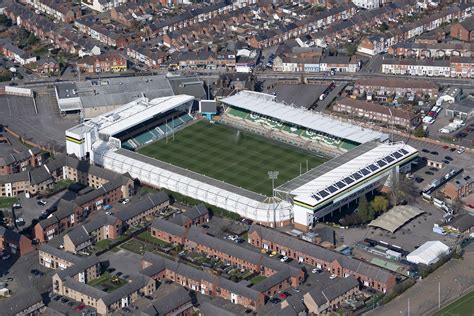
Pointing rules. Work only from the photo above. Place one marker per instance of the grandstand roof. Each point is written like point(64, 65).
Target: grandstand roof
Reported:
point(350, 173)
point(266, 105)
point(133, 113)
point(396, 217)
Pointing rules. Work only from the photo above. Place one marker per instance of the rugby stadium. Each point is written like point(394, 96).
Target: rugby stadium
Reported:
point(265, 160)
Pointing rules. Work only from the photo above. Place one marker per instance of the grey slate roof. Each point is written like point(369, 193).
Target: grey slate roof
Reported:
point(168, 303)
point(99, 221)
point(79, 266)
point(137, 282)
point(84, 288)
point(146, 203)
point(9, 235)
point(196, 211)
point(13, 305)
point(168, 227)
point(59, 253)
point(78, 235)
point(209, 309)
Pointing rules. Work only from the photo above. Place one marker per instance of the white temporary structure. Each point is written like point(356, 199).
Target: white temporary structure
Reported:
point(428, 253)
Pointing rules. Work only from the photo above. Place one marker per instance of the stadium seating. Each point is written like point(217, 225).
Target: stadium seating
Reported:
point(156, 133)
point(238, 113)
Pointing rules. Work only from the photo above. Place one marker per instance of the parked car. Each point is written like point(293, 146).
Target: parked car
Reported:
point(5, 257)
point(333, 276)
point(42, 202)
point(284, 259)
point(448, 158)
point(125, 201)
point(282, 296)
point(430, 173)
point(434, 153)
point(461, 150)
point(316, 270)
point(425, 150)
point(16, 205)
point(275, 300)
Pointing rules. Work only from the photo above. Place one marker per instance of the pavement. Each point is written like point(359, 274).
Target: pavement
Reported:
point(124, 261)
point(31, 210)
point(44, 127)
point(452, 279)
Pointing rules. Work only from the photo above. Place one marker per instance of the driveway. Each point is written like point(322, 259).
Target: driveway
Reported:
point(453, 278)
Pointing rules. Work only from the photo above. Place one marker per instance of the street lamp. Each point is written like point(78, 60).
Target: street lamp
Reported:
point(273, 175)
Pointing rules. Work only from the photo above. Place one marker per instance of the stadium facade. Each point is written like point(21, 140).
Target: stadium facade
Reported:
point(110, 139)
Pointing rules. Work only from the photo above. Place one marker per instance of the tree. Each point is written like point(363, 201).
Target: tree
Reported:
point(351, 49)
point(364, 212)
point(32, 39)
point(402, 188)
point(5, 21)
point(383, 27)
point(419, 131)
point(379, 204)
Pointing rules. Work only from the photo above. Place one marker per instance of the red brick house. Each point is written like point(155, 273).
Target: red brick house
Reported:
point(464, 30)
point(336, 263)
point(14, 242)
point(110, 62)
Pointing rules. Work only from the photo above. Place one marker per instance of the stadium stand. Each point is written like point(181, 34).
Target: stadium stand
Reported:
point(311, 139)
point(153, 134)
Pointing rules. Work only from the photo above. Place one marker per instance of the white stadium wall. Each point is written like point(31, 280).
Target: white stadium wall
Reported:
point(271, 214)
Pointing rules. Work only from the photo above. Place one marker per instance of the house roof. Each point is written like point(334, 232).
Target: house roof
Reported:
point(196, 212)
point(79, 266)
point(145, 203)
point(78, 235)
point(168, 303)
point(59, 253)
point(10, 235)
point(378, 108)
point(16, 306)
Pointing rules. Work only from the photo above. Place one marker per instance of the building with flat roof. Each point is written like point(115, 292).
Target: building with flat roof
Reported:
point(97, 96)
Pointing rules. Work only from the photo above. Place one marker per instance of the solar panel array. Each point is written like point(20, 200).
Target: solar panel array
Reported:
point(356, 176)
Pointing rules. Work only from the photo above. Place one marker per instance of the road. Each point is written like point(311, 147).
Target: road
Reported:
point(267, 74)
point(453, 279)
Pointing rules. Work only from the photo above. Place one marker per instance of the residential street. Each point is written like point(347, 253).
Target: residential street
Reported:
point(454, 278)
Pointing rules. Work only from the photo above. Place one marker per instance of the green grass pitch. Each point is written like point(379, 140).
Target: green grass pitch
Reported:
point(238, 158)
point(461, 307)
